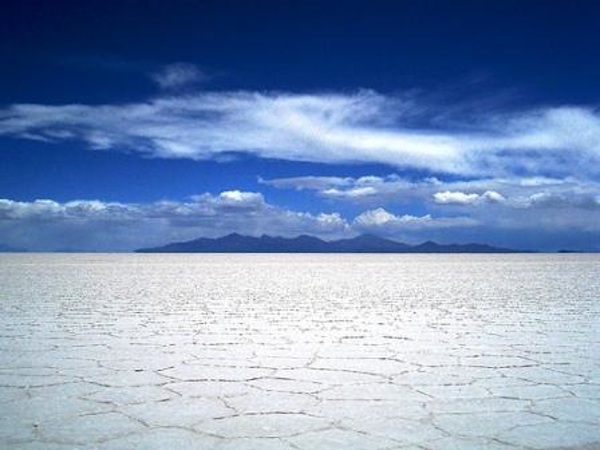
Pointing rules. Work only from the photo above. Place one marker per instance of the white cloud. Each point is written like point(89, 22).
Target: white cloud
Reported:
point(364, 127)
point(456, 198)
point(375, 217)
point(546, 218)
point(97, 225)
point(49, 209)
point(492, 197)
point(366, 188)
point(238, 199)
point(178, 75)
point(351, 193)
point(380, 218)
point(518, 193)
point(461, 198)
point(331, 221)
point(309, 182)
point(93, 224)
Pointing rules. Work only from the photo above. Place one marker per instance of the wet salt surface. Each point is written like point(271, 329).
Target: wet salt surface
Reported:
point(299, 351)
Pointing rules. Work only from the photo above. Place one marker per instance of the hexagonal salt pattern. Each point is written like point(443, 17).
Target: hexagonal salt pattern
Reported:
point(299, 352)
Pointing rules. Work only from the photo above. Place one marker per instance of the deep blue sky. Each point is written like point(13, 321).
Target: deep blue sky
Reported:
point(505, 94)
point(93, 51)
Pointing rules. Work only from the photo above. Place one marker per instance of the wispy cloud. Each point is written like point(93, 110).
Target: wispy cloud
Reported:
point(178, 75)
point(364, 127)
point(394, 189)
point(363, 189)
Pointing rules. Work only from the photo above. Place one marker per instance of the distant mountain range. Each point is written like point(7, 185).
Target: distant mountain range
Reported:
point(365, 243)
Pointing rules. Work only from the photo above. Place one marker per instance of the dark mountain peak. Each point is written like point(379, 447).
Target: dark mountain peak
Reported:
point(434, 247)
point(427, 246)
point(364, 243)
point(307, 236)
point(370, 243)
point(373, 238)
point(233, 236)
point(369, 237)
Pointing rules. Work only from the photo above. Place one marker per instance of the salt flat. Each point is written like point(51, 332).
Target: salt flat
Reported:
point(104, 351)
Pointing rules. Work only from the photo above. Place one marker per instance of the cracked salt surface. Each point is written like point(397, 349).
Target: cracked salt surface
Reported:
point(241, 352)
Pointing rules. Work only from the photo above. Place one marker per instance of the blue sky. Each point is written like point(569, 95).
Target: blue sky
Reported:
point(128, 124)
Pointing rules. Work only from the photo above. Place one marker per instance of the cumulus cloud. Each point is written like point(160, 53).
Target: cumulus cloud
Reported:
point(380, 218)
point(492, 197)
point(461, 198)
point(94, 225)
point(364, 127)
point(178, 75)
point(45, 224)
point(457, 198)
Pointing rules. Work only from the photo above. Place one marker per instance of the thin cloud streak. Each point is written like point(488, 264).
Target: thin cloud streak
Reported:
point(365, 127)
point(518, 193)
point(178, 75)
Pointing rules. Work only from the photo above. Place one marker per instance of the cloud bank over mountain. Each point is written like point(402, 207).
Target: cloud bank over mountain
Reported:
point(96, 225)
